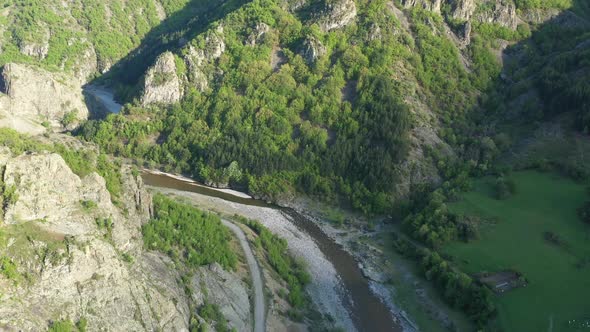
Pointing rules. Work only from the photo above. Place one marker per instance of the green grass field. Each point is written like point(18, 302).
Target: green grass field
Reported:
point(512, 238)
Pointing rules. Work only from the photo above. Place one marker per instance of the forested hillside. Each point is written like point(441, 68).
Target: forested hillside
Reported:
point(339, 100)
point(86, 36)
point(282, 96)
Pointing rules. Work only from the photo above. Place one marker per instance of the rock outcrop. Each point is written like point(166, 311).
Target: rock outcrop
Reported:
point(337, 14)
point(198, 59)
point(38, 49)
point(227, 291)
point(161, 82)
point(501, 12)
point(462, 9)
point(257, 36)
point(431, 5)
point(76, 265)
point(538, 16)
point(312, 49)
point(31, 97)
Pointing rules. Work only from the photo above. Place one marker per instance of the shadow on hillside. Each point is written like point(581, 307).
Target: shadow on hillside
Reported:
point(522, 92)
point(540, 103)
point(171, 34)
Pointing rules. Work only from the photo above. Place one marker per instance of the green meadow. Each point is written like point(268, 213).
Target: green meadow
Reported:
point(557, 297)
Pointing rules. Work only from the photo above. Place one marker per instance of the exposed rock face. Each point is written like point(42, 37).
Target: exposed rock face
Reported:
point(464, 34)
point(227, 291)
point(538, 16)
point(502, 12)
point(161, 84)
point(462, 9)
point(337, 14)
point(312, 49)
point(48, 190)
point(375, 32)
point(258, 34)
point(75, 267)
point(38, 49)
point(86, 65)
point(198, 59)
point(431, 5)
point(31, 96)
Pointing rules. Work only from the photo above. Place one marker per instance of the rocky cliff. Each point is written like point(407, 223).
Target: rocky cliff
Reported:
point(161, 83)
point(67, 252)
point(337, 14)
point(32, 99)
point(200, 59)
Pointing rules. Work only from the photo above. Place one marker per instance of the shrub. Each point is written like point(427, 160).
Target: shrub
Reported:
point(212, 313)
point(62, 326)
point(69, 118)
point(289, 269)
point(88, 205)
point(504, 188)
point(9, 195)
point(82, 324)
point(8, 268)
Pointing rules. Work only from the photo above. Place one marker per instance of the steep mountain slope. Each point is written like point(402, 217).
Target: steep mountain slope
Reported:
point(72, 248)
point(81, 37)
point(336, 99)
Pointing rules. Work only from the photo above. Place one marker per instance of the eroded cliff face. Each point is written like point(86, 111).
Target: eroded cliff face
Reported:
point(77, 255)
point(32, 100)
point(161, 83)
point(200, 60)
point(337, 15)
point(501, 12)
point(433, 5)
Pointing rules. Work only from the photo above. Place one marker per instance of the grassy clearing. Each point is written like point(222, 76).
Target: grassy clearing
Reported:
point(514, 239)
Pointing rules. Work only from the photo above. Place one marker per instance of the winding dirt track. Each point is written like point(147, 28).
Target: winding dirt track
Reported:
point(259, 322)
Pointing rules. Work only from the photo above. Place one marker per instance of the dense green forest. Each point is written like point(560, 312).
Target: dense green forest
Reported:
point(188, 235)
point(336, 128)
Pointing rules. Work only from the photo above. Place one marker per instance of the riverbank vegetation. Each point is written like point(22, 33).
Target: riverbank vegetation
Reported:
point(288, 268)
point(188, 235)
